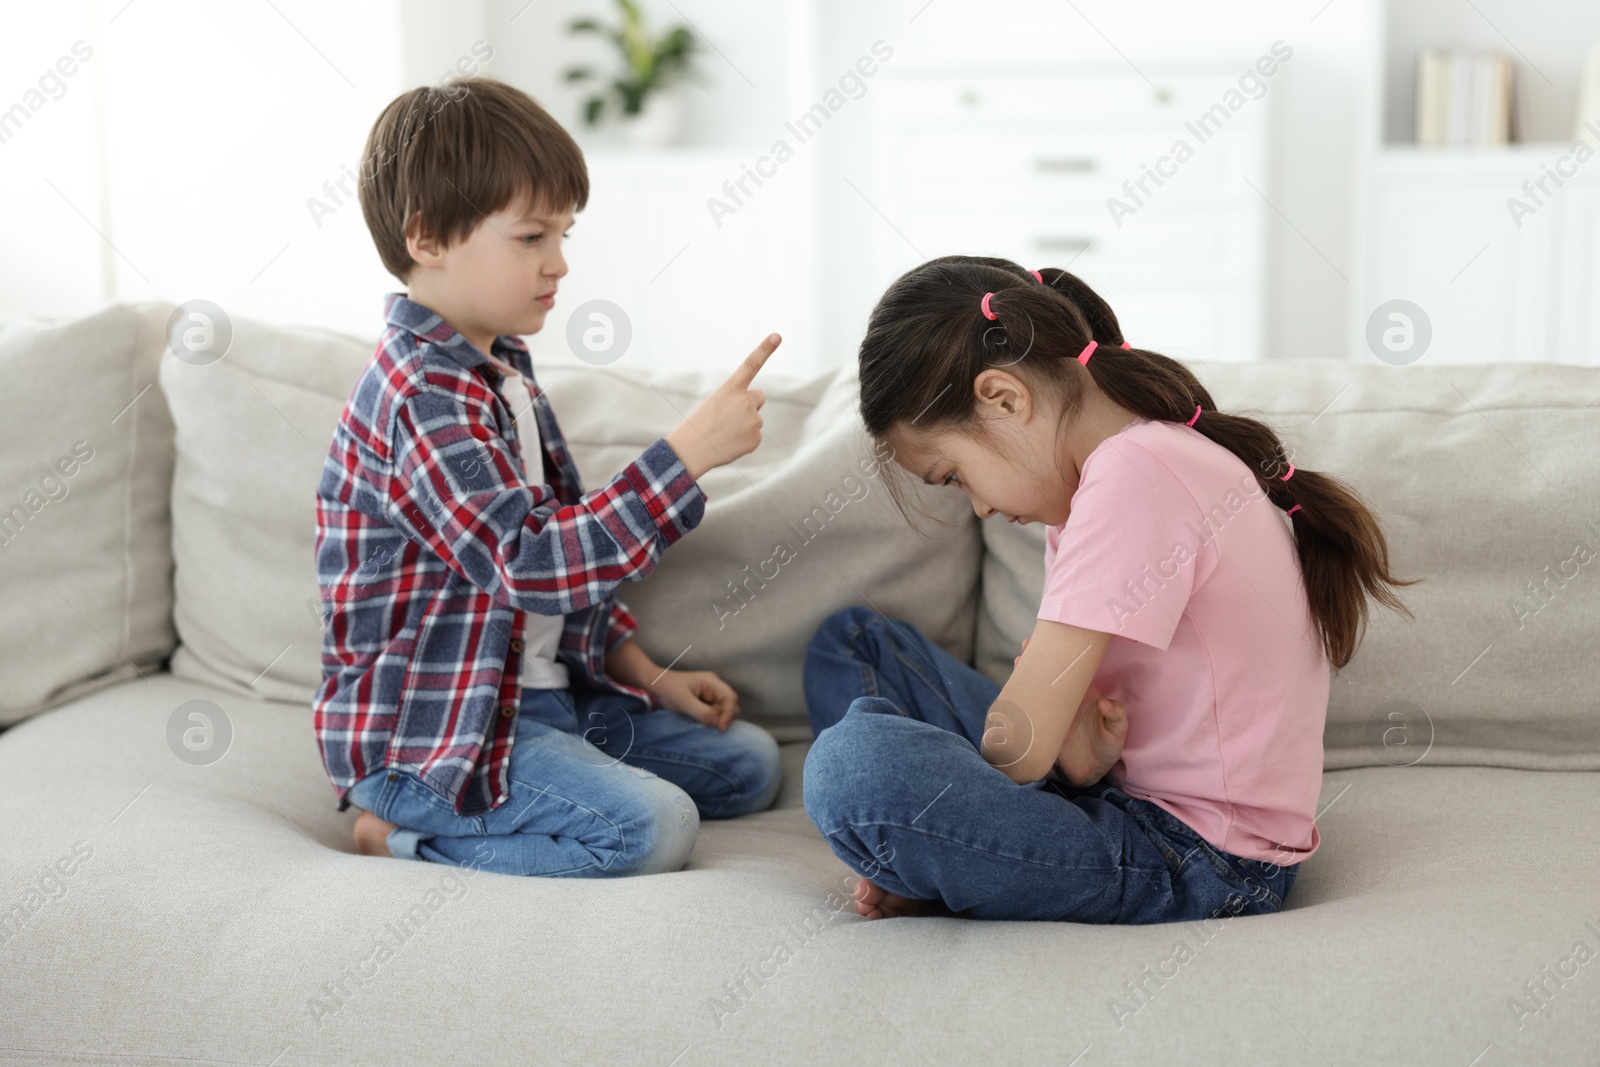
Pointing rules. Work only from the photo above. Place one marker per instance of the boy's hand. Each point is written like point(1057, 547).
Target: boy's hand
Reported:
point(727, 424)
point(701, 695)
point(1094, 744)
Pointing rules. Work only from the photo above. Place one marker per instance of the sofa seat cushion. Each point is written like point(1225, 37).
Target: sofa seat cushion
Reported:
point(216, 912)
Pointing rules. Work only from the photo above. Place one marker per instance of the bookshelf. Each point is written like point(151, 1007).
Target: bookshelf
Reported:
point(1545, 42)
point(1499, 244)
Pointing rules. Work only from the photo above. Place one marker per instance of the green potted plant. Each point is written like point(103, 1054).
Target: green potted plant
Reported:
point(638, 93)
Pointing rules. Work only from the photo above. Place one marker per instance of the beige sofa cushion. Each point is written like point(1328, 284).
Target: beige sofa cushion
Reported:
point(85, 542)
point(253, 427)
point(1485, 479)
point(252, 430)
point(1409, 938)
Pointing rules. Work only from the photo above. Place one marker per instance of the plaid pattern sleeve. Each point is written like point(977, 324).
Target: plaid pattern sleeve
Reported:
point(623, 625)
point(432, 542)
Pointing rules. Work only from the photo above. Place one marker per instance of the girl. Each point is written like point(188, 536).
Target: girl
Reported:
point(1157, 752)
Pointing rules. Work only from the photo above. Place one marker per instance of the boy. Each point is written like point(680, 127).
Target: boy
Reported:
point(483, 700)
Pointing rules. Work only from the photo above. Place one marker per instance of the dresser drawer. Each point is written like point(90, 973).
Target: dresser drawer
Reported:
point(1111, 98)
point(1034, 169)
point(1162, 243)
point(1186, 324)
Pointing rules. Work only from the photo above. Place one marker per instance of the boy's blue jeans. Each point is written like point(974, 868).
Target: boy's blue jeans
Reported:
point(896, 784)
point(599, 787)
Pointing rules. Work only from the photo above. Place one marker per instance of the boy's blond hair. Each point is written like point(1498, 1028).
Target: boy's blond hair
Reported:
point(457, 153)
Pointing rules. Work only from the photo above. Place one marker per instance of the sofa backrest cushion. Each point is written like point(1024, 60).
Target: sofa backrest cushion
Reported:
point(252, 430)
point(800, 528)
point(1485, 479)
point(85, 469)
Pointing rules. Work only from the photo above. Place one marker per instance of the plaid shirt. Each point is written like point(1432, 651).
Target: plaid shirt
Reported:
point(431, 545)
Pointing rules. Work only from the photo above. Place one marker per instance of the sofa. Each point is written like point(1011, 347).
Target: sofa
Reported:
point(179, 887)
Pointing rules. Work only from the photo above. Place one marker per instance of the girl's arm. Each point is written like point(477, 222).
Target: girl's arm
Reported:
point(1045, 714)
point(1094, 744)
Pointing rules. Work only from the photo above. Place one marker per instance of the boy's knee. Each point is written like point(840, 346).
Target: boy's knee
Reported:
point(756, 768)
point(658, 834)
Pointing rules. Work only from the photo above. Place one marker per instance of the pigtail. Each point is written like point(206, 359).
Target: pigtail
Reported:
point(1102, 320)
point(1343, 553)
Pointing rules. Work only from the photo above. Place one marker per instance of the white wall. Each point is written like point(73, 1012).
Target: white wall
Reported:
point(221, 122)
point(192, 141)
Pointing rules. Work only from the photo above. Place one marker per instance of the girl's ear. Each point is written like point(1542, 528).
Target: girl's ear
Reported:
point(999, 394)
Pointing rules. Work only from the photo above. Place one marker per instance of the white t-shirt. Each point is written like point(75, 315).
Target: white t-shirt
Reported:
point(541, 634)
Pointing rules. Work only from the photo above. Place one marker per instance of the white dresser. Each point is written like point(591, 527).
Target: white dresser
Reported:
point(1027, 167)
point(1504, 269)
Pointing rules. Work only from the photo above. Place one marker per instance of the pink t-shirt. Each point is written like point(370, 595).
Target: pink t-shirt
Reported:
point(1173, 548)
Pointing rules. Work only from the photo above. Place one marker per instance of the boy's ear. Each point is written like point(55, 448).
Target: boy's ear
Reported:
point(425, 250)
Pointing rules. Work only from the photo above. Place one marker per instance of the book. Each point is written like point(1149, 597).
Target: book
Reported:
point(1464, 97)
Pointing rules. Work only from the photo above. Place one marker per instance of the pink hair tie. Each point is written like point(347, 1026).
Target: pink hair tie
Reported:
point(1126, 345)
point(1294, 509)
point(985, 306)
point(1195, 416)
point(1286, 476)
point(1038, 276)
point(1088, 350)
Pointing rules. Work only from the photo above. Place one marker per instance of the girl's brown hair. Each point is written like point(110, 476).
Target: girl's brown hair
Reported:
point(927, 341)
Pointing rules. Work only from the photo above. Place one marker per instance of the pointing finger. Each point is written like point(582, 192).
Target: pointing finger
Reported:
point(745, 373)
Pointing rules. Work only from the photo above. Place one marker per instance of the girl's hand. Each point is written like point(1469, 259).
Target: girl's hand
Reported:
point(1094, 743)
point(701, 695)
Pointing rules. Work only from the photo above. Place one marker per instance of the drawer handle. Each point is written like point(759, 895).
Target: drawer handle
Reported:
point(1076, 245)
point(1066, 164)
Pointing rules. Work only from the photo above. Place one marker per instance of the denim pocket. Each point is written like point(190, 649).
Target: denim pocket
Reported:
point(1229, 870)
point(1175, 841)
point(1249, 886)
point(367, 793)
point(415, 806)
point(1181, 845)
point(1264, 885)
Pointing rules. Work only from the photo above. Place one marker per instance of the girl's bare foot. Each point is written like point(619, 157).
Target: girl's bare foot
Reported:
point(876, 902)
point(372, 835)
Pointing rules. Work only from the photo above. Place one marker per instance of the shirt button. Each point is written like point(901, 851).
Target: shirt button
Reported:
point(516, 646)
point(507, 711)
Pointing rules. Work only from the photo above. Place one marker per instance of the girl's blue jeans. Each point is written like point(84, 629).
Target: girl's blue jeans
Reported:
point(896, 784)
point(599, 787)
